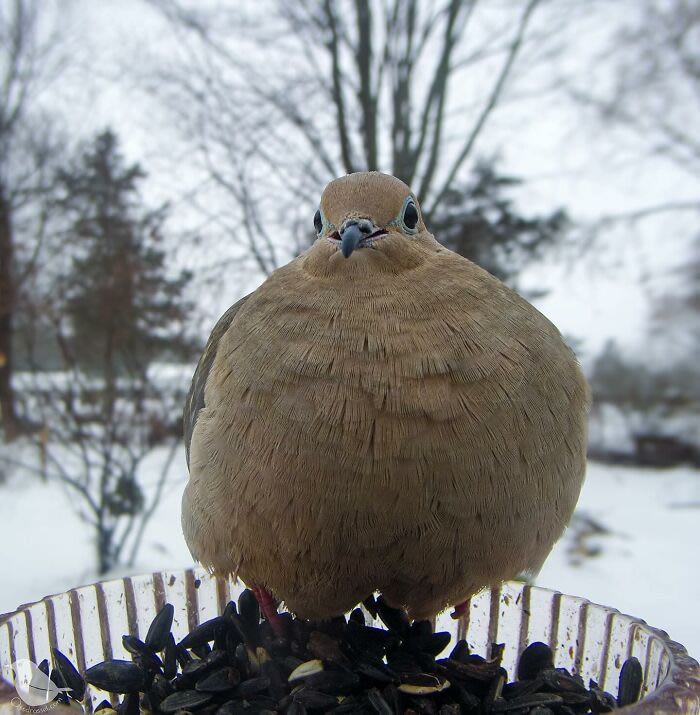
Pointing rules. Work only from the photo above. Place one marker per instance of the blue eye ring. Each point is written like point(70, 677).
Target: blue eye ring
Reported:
point(410, 216)
point(321, 223)
point(400, 219)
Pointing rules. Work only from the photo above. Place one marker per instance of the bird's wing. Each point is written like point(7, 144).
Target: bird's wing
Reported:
point(195, 397)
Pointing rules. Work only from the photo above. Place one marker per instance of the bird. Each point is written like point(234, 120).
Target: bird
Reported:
point(381, 414)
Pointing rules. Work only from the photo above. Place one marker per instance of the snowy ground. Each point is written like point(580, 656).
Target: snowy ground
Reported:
point(646, 544)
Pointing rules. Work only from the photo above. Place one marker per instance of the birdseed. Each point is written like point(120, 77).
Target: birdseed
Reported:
point(235, 665)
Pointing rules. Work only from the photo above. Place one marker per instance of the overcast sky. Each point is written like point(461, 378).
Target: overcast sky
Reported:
point(566, 159)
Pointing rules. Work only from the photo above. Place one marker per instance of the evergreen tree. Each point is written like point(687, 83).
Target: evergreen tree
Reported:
point(478, 221)
point(123, 308)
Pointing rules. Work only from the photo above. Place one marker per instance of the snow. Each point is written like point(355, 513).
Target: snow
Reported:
point(646, 564)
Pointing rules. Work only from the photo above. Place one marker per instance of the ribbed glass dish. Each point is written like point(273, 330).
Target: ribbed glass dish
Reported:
point(87, 625)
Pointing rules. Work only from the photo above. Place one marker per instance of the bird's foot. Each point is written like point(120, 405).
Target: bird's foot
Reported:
point(460, 610)
point(268, 606)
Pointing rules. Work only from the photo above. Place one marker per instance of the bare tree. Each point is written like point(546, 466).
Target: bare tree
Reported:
point(31, 57)
point(279, 101)
point(653, 60)
point(115, 310)
point(650, 102)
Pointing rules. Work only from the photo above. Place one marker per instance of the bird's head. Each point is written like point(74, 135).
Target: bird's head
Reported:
point(371, 219)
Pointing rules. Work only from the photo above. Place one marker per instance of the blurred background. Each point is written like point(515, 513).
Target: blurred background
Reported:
point(160, 158)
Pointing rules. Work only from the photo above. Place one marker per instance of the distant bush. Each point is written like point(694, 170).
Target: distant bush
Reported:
point(656, 415)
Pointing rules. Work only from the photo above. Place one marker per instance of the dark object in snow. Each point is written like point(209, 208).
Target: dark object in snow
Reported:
point(336, 666)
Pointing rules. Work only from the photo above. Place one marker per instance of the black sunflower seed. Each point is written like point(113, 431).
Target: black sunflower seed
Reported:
point(204, 632)
point(469, 701)
point(246, 632)
point(195, 667)
point(170, 657)
point(138, 648)
point(184, 700)
point(495, 691)
point(57, 678)
point(357, 616)
point(378, 703)
point(71, 677)
point(395, 619)
point(601, 702)
point(232, 707)
point(559, 681)
point(278, 683)
point(202, 651)
point(219, 681)
point(433, 643)
point(521, 687)
point(242, 661)
point(402, 662)
point(350, 706)
point(333, 682)
point(183, 682)
point(253, 686)
point(534, 659)
point(159, 630)
point(473, 667)
point(460, 651)
point(291, 663)
point(215, 659)
point(421, 628)
point(423, 706)
point(182, 655)
point(261, 703)
point(630, 683)
point(370, 604)
point(527, 701)
point(393, 697)
point(159, 690)
point(116, 676)
point(130, 705)
point(249, 608)
point(377, 672)
point(315, 699)
point(232, 640)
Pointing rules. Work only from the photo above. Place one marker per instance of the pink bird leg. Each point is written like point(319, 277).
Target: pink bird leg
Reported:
point(268, 606)
point(460, 610)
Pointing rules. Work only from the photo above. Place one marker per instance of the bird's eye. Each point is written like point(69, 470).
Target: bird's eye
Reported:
point(318, 221)
point(410, 216)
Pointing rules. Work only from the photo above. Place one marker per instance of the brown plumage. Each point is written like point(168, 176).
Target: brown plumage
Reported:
point(396, 420)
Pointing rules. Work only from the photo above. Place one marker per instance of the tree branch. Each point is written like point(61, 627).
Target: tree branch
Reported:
point(148, 513)
point(338, 93)
point(488, 108)
point(367, 99)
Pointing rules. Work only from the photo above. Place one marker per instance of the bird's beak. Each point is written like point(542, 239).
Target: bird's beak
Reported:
point(349, 238)
point(354, 231)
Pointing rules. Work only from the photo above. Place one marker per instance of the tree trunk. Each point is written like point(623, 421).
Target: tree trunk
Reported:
point(7, 302)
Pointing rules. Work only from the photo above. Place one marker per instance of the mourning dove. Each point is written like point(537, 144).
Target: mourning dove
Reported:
point(381, 414)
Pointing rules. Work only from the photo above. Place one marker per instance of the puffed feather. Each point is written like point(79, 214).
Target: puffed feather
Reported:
point(397, 421)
